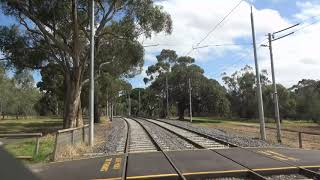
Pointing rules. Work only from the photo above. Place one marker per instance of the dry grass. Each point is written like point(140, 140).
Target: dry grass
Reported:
point(288, 138)
point(72, 151)
point(78, 151)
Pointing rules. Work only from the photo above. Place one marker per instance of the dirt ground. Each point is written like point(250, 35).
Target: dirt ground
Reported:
point(288, 138)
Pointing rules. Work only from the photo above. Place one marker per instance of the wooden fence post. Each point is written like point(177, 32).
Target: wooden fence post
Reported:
point(72, 137)
point(36, 150)
point(300, 139)
point(55, 147)
point(83, 134)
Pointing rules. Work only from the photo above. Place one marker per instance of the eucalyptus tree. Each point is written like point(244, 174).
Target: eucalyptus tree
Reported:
point(55, 31)
point(181, 70)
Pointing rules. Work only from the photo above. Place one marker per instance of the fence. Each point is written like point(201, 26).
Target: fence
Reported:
point(294, 138)
point(26, 135)
point(70, 137)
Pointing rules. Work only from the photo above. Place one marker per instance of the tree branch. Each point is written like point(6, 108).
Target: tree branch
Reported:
point(41, 27)
point(106, 17)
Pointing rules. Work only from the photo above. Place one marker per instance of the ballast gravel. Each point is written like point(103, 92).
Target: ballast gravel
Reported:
point(223, 135)
point(167, 140)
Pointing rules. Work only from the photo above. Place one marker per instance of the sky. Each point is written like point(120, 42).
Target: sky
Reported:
point(295, 57)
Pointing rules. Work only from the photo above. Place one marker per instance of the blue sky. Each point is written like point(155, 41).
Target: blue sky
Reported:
point(193, 20)
point(295, 57)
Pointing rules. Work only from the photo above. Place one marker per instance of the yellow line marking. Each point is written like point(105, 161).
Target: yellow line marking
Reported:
point(106, 165)
point(288, 157)
point(277, 155)
point(318, 166)
point(279, 168)
point(215, 172)
point(151, 176)
point(117, 163)
point(117, 178)
point(210, 172)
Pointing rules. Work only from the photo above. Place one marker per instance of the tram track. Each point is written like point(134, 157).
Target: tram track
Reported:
point(197, 139)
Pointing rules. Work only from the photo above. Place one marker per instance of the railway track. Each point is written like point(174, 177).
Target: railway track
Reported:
point(136, 128)
point(196, 139)
point(166, 139)
point(141, 139)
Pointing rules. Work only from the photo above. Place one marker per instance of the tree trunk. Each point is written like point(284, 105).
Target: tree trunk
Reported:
point(96, 110)
point(181, 108)
point(111, 112)
point(72, 102)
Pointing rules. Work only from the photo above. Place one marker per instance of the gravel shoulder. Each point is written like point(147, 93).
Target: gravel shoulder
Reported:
point(114, 138)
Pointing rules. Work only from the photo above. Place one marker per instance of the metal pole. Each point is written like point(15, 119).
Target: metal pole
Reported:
point(190, 103)
point(275, 95)
point(129, 104)
point(139, 103)
point(167, 96)
point(91, 96)
point(259, 91)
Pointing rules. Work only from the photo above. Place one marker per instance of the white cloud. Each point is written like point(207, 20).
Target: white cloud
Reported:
point(309, 9)
point(296, 57)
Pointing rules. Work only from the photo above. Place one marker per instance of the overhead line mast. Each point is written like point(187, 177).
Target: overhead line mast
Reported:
point(259, 91)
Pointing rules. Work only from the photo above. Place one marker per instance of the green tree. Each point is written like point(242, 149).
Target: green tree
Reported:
point(241, 87)
point(57, 32)
point(307, 97)
point(179, 70)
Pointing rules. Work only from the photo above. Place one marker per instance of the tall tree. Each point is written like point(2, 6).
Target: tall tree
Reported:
point(242, 91)
point(57, 32)
point(179, 70)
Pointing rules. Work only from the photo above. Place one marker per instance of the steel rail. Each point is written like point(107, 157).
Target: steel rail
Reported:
point(250, 171)
point(161, 150)
point(306, 172)
point(126, 149)
point(201, 134)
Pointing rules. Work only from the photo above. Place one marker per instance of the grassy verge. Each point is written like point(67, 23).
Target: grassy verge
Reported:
point(26, 148)
point(204, 120)
point(30, 124)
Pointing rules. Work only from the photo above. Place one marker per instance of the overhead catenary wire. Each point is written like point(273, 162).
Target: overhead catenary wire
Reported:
point(238, 61)
point(216, 26)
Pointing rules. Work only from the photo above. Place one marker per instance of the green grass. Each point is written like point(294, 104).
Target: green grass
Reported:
point(285, 123)
point(30, 124)
point(26, 148)
point(205, 120)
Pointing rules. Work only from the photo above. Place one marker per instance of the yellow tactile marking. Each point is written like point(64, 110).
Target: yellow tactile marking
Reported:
point(117, 163)
point(106, 164)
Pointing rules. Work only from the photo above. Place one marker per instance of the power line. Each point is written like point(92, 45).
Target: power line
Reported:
point(304, 27)
point(237, 62)
point(216, 26)
point(208, 45)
